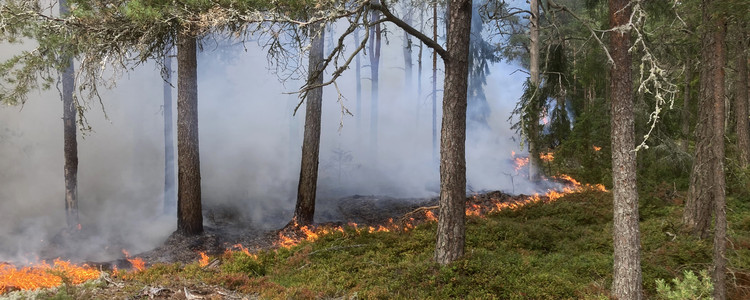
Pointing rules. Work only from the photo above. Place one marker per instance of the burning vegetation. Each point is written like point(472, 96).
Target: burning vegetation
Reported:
point(43, 275)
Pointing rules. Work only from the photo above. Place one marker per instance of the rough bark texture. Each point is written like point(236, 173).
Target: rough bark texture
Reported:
point(685, 122)
point(170, 195)
point(534, 161)
point(451, 222)
point(304, 211)
point(741, 99)
point(375, 36)
point(70, 140)
point(718, 28)
point(626, 283)
point(189, 210)
point(696, 217)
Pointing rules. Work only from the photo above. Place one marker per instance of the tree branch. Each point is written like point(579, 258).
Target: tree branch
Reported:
point(410, 30)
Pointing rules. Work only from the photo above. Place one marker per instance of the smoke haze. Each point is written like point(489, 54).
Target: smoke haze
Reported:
point(250, 150)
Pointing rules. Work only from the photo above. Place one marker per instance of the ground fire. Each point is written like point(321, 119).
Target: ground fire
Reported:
point(43, 275)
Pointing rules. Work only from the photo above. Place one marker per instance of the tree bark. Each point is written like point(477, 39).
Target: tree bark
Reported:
point(741, 99)
point(451, 223)
point(308, 177)
point(407, 53)
point(70, 140)
point(696, 217)
point(434, 83)
point(170, 196)
point(685, 122)
point(358, 75)
point(534, 160)
point(189, 211)
point(375, 35)
point(626, 283)
point(718, 26)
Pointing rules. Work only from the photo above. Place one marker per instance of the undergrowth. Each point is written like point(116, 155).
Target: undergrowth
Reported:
point(560, 250)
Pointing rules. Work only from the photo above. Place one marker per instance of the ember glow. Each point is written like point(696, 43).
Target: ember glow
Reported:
point(43, 275)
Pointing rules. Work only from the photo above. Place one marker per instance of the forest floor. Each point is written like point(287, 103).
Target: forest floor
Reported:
point(543, 250)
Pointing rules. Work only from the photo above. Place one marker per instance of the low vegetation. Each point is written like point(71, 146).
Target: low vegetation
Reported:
point(559, 250)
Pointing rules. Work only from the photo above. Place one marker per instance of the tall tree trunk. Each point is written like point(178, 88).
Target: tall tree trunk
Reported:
point(170, 195)
point(308, 175)
point(375, 36)
point(358, 75)
point(407, 53)
point(685, 122)
point(718, 26)
point(741, 99)
point(189, 211)
point(696, 216)
point(70, 140)
point(534, 160)
point(451, 223)
point(419, 67)
point(434, 82)
point(626, 283)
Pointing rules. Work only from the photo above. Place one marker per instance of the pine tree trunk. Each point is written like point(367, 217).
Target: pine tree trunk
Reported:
point(189, 211)
point(358, 75)
point(718, 25)
point(685, 122)
point(534, 160)
point(626, 283)
point(407, 54)
point(170, 196)
point(375, 36)
point(741, 99)
point(451, 222)
point(434, 83)
point(70, 140)
point(308, 178)
point(696, 217)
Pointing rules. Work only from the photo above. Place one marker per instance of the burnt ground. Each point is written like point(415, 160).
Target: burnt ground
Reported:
point(225, 228)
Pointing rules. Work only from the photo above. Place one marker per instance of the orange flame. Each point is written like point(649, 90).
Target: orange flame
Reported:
point(204, 259)
point(137, 263)
point(597, 148)
point(548, 157)
point(43, 275)
point(430, 216)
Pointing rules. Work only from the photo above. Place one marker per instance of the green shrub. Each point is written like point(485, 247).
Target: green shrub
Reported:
point(690, 287)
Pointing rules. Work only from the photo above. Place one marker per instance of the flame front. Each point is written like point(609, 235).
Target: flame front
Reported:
point(43, 275)
point(137, 262)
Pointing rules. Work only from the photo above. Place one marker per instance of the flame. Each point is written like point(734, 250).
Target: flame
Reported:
point(474, 210)
point(597, 148)
point(548, 157)
point(137, 263)
point(569, 179)
point(79, 227)
point(44, 275)
point(285, 241)
point(204, 259)
point(430, 216)
point(520, 162)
